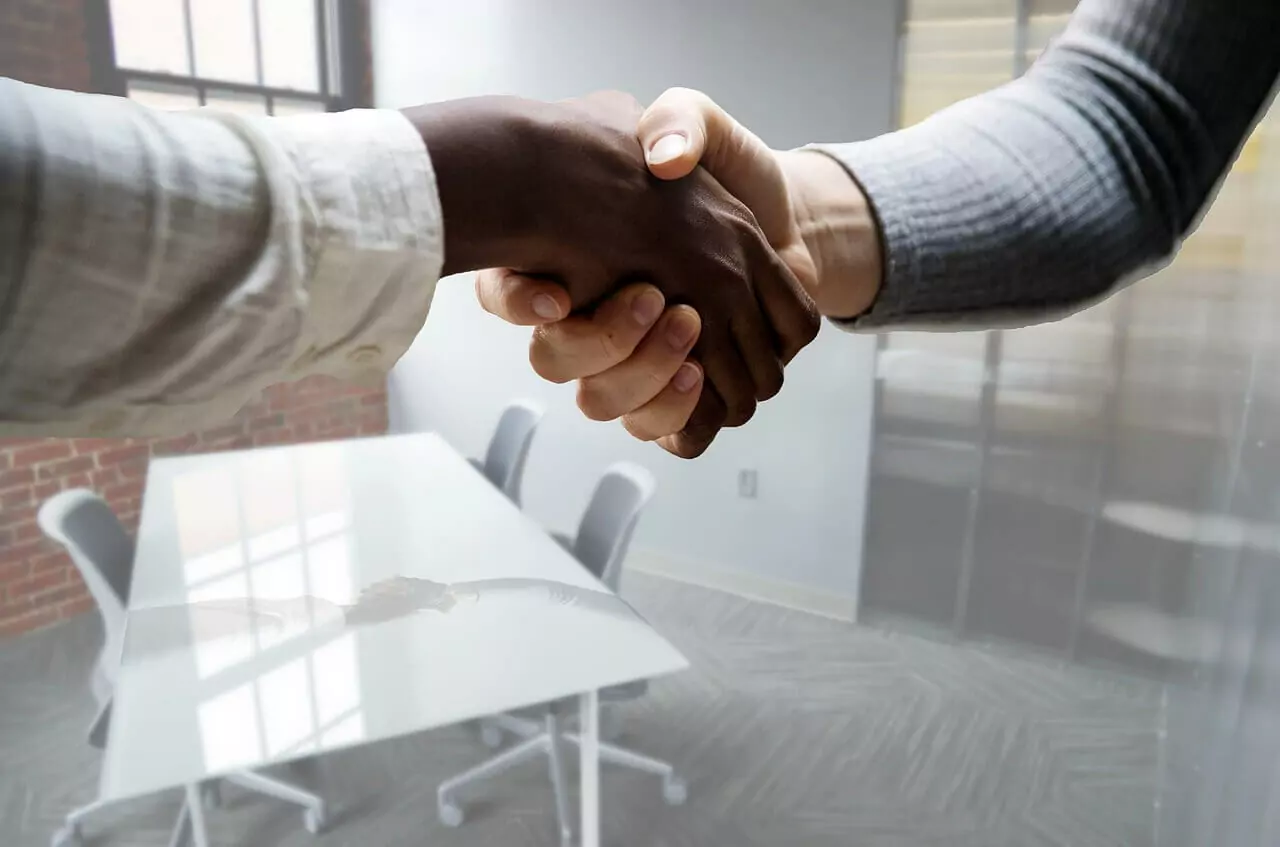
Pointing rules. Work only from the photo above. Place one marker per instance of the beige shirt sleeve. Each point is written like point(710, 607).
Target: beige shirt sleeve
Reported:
point(157, 269)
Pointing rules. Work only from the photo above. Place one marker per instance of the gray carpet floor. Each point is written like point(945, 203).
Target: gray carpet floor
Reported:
point(791, 730)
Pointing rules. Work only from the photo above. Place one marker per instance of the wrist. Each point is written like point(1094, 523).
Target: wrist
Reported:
point(480, 156)
point(839, 228)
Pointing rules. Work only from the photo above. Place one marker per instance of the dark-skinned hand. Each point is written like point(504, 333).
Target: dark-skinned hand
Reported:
point(561, 191)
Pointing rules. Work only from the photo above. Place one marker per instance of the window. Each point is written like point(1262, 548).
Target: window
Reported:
point(263, 57)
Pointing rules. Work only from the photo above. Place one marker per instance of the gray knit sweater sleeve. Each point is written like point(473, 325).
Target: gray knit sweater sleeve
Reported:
point(1044, 195)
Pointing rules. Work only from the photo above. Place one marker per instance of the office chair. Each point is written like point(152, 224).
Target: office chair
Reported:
point(504, 460)
point(103, 553)
point(601, 544)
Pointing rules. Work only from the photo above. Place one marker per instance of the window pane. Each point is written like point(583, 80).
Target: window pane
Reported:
point(286, 106)
point(223, 35)
point(167, 97)
point(231, 101)
point(149, 35)
point(289, 57)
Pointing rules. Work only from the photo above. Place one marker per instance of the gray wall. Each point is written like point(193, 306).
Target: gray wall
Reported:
point(793, 72)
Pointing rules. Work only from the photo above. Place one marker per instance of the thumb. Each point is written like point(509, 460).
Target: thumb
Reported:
point(676, 129)
point(684, 128)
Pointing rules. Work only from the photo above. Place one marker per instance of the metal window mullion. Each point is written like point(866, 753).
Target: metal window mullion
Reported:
point(1021, 36)
point(257, 44)
point(191, 39)
point(322, 45)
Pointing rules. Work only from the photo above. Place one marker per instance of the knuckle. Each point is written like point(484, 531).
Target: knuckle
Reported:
point(544, 360)
point(740, 411)
point(594, 402)
point(638, 430)
point(771, 385)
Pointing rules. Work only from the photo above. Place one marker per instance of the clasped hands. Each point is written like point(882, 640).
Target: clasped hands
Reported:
point(675, 294)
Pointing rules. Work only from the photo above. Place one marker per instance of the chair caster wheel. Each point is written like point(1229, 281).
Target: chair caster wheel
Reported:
point(314, 820)
point(491, 735)
point(675, 791)
point(450, 813)
point(67, 836)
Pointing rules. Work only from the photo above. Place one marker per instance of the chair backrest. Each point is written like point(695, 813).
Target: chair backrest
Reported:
point(509, 448)
point(610, 520)
point(102, 551)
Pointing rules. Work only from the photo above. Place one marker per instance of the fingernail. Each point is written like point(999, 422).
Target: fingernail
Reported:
point(686, 378)
point(545, 306)
point(681, 330)
point(646, 307)
point(666, 148)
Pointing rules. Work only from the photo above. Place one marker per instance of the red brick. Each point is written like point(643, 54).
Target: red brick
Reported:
point(77, 606)
point(133, 470)
point(222, 432)
point(34, 584)
point(17, 514)
point(123, 491)
point(27, 621)
point(101, 479)
point(16, 477)
point(84, 446)
point(180, 444)
point(45, 490)
point(123, 455)
point(56, 560)
point(67, 467)
point(13, 571)
point(378, 398)
point(14, 498)
point(20, 552)
point(80, 480)
point(58, 595)
point(27, 531)
point(46, 451)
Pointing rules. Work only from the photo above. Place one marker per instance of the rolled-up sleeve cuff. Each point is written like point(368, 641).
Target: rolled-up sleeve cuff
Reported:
point(377, 239)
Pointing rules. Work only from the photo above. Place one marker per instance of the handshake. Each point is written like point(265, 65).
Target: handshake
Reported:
point(675, 293)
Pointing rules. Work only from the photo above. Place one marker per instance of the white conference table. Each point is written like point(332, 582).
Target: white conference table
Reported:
point(248, 641)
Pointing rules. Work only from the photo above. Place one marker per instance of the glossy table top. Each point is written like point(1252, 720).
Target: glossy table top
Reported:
point(295, 600)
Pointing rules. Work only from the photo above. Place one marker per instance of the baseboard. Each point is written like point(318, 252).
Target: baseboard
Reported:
point(790, 595)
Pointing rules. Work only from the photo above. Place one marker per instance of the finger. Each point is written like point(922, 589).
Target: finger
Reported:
point(728, 373)
point(519, 299)
point(683, 128)
point(758, 348)
point(669, 412)
point(585, 345)
point(643, 375)
point(705, 422)
point(792, 312)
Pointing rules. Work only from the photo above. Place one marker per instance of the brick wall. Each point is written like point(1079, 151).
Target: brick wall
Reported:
point(43, 41)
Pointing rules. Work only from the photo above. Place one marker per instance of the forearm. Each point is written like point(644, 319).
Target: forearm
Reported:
point(1044, 195)
point(157, 269)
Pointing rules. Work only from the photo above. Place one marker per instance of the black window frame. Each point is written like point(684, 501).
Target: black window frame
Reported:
point(342, 51)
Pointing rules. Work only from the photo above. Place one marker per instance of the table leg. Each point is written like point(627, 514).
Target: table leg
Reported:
point(589, 751)
point(195, 808)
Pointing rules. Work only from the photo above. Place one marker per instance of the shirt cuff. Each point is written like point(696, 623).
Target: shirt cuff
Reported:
point(374, 237)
